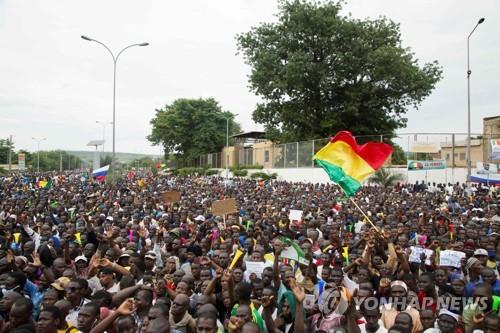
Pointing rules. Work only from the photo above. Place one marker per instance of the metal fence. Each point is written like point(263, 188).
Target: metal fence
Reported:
point(452, 147)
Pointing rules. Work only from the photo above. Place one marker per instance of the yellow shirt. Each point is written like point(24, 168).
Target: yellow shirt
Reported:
point(68, 329)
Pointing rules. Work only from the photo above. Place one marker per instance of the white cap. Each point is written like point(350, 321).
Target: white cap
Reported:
point(81, 258)
point(481, 252)
point(200, 218)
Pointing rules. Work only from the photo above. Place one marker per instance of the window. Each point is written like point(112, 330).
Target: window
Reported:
point(266, 156)
point(462, 156)
point(447, 157)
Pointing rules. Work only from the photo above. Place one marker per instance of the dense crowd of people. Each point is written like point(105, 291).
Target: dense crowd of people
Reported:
point(78, 255)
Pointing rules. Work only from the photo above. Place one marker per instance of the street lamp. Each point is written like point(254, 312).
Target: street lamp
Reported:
point(481, 20)
point(232, 116)
point(103, 124)
point(115, 59)
point(38, 152)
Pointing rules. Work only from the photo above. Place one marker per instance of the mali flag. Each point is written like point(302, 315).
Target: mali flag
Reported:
point(348, 163)
point(45, 184)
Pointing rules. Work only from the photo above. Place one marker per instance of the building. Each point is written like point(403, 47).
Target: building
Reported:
point(460, 153)
point(480, 146)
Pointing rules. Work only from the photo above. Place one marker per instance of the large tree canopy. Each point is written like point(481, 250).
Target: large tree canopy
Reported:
point(318, 72)
point(191, 127)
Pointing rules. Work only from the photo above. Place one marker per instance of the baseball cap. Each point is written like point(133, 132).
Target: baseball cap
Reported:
point(150, 255)
point(200, 218)
point(61, 283)
point(81, 258)
point(481, 252)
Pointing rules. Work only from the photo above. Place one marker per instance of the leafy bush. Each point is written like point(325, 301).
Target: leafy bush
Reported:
point(246, 166)
point(186, 172)
point(263, 175)
point(240, 173)
point(211, 172)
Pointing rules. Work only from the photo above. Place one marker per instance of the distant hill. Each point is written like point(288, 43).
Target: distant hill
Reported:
point(122, 157)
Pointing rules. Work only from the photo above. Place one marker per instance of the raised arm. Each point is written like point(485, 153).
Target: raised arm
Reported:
point(298, 292)
point(125, 309)
point(123, 294)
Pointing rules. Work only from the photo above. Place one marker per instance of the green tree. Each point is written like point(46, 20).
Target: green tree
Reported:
point(5, 145)
point(106, 159)
point(318, 72)
point(398, 155)
point(385, 178)
point(144, 162)
point(191, 127)
point(51, 160)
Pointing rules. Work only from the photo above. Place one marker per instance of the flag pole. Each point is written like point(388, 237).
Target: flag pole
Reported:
point(366, 216)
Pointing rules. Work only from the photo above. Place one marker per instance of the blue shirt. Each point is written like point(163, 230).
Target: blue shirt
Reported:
point(470, 286)
point(34, 293)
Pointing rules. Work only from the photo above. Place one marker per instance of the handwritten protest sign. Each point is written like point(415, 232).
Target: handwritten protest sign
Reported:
point(224, 207)
point(256, 267)
point(171, 197)
point(451, 258)
point(416, 252)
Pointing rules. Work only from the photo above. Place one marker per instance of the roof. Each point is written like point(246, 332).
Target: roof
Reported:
point(473, 142)
point(490, 118)
point(250, 135)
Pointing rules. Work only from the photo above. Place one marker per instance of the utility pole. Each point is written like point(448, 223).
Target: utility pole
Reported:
point(9, 144)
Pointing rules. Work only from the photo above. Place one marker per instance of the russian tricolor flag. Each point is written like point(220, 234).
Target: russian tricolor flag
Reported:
point(101, 173)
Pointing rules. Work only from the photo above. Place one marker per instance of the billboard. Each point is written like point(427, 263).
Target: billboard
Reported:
point(21, 161)
point(426, 165)
point(495, 149)
point(486, 168)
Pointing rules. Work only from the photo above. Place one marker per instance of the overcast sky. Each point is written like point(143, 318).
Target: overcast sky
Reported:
point(56, 85)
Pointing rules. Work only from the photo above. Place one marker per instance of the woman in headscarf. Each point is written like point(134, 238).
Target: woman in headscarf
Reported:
point(291, 315)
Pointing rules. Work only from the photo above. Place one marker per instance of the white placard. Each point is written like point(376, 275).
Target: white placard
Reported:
point(256, 267)
point(451, 258)
point(416, 252)
point(295, 215)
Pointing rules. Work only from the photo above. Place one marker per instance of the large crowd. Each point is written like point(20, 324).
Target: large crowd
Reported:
point(77, 255)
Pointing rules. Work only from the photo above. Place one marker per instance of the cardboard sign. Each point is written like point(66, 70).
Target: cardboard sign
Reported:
point(224, 207)
point(451, 258)
point(416, 252)
point(171, 197)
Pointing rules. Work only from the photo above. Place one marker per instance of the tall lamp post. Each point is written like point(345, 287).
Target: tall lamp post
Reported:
point(38, 152)
point(469, 162)
point(103, 124)
point(115, 60)
point(227, 143)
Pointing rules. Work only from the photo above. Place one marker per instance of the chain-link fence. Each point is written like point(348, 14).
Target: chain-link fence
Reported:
point(450, 147)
